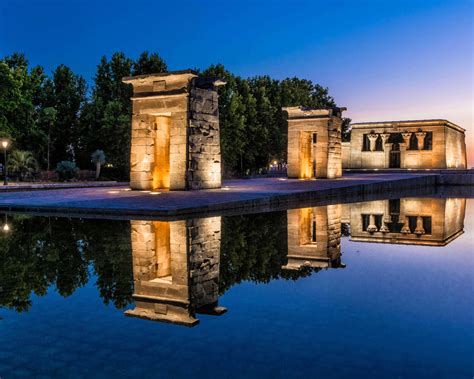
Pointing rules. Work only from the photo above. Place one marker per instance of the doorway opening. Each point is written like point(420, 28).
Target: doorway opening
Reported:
point(395, 156)
point(161, 169)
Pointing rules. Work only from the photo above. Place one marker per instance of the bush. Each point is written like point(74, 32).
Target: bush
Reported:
point(67, 170)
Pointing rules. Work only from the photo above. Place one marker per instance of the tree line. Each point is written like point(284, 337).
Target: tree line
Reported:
point(58, 117)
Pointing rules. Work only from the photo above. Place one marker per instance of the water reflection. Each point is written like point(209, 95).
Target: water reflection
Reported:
point(172, 271)
point(433, 222)
point(176, 269)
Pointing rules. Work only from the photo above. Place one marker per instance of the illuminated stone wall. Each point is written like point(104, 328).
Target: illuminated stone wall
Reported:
point(176, 269)
point(175, 142)
point(314, 237)
point(417, 221)
point(314, 142)
point(448, 147)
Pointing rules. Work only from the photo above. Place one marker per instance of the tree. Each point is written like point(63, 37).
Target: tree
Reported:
point(149, 64)
point(49, 115)
point(346, 129)
point(22, 163)
point(98, 158)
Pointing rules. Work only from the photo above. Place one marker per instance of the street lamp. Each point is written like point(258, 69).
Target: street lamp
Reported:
point(6, 227)
point(5, 171)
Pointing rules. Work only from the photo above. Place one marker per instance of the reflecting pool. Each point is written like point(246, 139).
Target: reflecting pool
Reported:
point(375, 289)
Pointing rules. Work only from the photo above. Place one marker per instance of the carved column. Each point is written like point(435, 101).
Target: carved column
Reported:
point(405, 228)
point(385, 137)
point(372, 139)
point(372, 228)
point(420, 136)
point(419, 226)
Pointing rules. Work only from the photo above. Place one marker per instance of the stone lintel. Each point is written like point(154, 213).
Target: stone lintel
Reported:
point(305, 113)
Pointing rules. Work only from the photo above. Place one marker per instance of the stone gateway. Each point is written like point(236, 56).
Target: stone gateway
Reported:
point(175, 141)
point(314, 142)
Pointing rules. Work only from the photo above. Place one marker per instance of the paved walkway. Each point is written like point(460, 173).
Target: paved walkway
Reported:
point(236, 195)
point(23, 186)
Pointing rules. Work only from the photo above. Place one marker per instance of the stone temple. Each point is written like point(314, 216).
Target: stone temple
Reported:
point(314, 142)
point(175, 141)
point(419, 144)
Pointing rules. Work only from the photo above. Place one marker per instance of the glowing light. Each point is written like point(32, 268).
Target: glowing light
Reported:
point(5, 144)
point(112, 191)
point(155, 193)
point(6, 228)
point(145, 191)
point(225, 188)
point(282, 179)
point(127, 189)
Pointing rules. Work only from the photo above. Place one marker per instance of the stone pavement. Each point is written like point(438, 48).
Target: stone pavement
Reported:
point(239, 196)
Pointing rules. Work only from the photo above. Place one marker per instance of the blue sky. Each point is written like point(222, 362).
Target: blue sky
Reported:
point(381, 59)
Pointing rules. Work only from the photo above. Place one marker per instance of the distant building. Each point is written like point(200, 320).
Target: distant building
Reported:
point(314, 142)
point(422, 144)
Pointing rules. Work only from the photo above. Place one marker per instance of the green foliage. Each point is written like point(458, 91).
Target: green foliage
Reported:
point(40, 252)
point(67, 170)
point(22, 164)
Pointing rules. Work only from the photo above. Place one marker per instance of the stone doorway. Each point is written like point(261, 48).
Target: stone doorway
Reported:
point(395, 156)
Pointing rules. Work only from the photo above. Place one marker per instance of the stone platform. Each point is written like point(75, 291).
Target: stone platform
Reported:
point(237, 196)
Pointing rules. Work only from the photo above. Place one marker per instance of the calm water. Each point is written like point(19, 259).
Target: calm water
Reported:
point(376, 289)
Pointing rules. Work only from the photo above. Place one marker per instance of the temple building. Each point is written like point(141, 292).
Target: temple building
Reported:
point(176, 269)
point(423, 144)
point(175, 140)
point(314, 238)
point(314, 142)
point(412, 221)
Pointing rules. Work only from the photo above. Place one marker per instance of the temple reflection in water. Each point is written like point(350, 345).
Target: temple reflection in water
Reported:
point(176, 264)
point(176, 269)
point(314, 237)
point(415, 221)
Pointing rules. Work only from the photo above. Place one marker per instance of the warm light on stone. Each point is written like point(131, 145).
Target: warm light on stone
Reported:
point(314, 237)
point(175, 140)
point(314, 142)
point(417, 221)
point(440, 144)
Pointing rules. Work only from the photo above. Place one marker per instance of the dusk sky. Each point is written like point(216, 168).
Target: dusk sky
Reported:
point(383, 60)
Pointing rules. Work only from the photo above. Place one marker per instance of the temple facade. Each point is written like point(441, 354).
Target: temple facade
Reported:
point(175, 139)
point(424, 144)
point(314, 142)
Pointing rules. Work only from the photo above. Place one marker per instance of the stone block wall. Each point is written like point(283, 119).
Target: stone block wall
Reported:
point(204, 260)
point(204, 140)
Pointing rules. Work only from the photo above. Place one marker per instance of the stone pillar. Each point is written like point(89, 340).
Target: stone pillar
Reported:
point(373, 139)
point(372, 228)
point(419, 226)
point(403, 149)
point(420, 136)
point(387, 149)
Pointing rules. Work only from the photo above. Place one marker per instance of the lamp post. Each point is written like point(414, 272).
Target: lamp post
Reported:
point(5, 171)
